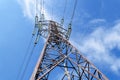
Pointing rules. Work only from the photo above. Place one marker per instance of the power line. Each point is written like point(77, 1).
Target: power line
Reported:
point(43, 7)
point(64, 8)
point(62, 20)
point(28, 61)
point(27, 51)
point(74, 10)
point(70, 24)
point(40, 7)
point(42, 2)
point(21, 66)
point(36, 6)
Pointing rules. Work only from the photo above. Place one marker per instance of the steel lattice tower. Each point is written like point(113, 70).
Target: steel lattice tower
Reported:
point(60, 59)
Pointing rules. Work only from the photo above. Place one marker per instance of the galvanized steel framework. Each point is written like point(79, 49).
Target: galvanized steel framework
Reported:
point(60, 58)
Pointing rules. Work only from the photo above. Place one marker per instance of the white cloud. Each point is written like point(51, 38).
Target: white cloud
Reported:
point(98, 45)
point(97, 20)
point(28, 7)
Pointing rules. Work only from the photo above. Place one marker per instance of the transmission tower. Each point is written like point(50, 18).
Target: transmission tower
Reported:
point(59, 59)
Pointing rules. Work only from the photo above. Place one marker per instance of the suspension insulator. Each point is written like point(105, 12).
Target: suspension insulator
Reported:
point(37, 39)
point(36, 25)
point(69, 30)
point(34, 32)
point(42, 18)
point(36, 21)
point(40, 25)
point(62, 21)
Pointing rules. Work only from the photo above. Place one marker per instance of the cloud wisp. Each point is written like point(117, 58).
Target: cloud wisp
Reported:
point(98, 45)
point(29, 9)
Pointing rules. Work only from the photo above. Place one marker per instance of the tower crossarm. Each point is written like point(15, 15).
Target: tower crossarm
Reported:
point(46, 26)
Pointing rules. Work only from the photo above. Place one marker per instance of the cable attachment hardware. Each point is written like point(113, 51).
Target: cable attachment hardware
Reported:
point(36, 25)
point(42, 17)
point(69, 31)
point(62, 21)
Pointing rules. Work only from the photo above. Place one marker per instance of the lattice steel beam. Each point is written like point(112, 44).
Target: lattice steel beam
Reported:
point(60, 59)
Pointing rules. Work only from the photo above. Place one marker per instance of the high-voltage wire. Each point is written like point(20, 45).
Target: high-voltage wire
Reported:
point(42, 6)
point(30, 55)
point(36, 6)
point(70, 24)
point(65, 8)
point(65, 5)
point(23, 62)
point(27, 63)
point(74, 10)
point(62, 20)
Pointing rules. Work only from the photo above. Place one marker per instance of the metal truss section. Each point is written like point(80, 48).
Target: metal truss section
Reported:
point(45, 25)
point(60, 60)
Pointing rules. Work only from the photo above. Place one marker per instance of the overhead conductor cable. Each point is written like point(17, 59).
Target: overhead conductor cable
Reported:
point(24, 59)
point(36, 17)
point(28, 61)
point(70, 24)
point(29, 57)
point(74, 11)
point(62, 20)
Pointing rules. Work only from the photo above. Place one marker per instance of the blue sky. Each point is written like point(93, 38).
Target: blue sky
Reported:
point(95, 32)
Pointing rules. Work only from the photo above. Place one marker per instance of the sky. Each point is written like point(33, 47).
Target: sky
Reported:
point(95, 32)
